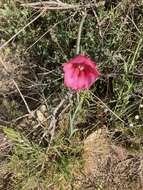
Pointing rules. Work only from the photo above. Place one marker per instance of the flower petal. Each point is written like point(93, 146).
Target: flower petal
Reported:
point(81, 80)
point(77, 78)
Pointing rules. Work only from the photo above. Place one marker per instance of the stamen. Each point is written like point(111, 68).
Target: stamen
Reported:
point(81, 68)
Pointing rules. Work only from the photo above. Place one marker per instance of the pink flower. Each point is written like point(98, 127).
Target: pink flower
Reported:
point(80, 73)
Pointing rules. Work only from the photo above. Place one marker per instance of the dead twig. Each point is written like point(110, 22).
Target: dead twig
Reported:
point(16, 85)
point(58, 5)
point(55, 116)
point(43, 3)
point(56, 113)
point(108, 108)
point(137, 74)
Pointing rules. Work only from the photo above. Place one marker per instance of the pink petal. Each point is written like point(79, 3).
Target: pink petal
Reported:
point(80, 79)
point(82, 59)
point(67, 67)
point(68, 80)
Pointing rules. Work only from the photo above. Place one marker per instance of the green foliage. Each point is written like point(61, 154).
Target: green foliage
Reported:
point(33, 166)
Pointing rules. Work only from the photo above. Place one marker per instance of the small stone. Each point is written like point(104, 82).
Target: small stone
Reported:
point(106, 110)
point(40, 116)
point(141, 105)
point(131, 125)
point(137, 117)
point(43, 108)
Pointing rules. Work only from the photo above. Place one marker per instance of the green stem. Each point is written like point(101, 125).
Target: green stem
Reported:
point(79, 33)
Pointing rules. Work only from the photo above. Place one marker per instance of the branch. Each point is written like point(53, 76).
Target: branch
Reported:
point(58, 5)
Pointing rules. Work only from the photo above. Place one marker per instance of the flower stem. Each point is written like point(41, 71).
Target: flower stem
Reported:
point(79, 32)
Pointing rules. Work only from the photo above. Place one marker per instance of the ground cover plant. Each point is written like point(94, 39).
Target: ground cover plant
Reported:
point(47, 126)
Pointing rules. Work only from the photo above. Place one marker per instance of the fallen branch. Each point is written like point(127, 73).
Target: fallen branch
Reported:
point(58, 5)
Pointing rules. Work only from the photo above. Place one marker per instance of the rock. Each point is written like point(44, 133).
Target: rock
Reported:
point(110, 166)
point(40, 116)
point(43, 109)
